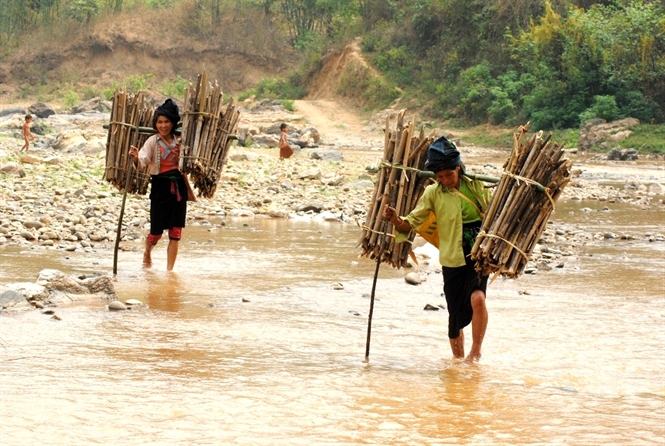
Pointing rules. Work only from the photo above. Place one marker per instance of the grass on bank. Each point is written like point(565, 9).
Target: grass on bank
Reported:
point(646, 138)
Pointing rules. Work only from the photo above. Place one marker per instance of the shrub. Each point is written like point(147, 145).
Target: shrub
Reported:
point(175, 88)
point(604, 107)
point(137, 82)
point(70, 98)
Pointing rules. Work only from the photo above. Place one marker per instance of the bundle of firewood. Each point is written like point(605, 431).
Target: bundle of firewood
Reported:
point(206, 134)
point(130, 124)
point(534, 177)
point(404, 155)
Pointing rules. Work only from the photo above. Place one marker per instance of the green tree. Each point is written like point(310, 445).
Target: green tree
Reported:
point(83, 10)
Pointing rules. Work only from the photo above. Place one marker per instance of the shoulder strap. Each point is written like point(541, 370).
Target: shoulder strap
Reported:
point(470, 201)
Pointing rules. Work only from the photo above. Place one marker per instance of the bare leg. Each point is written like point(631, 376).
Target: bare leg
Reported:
point(147, 258)
point(478, 324)
point(171, 254)
point(457, 345)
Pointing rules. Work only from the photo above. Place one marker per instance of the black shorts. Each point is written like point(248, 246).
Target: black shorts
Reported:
point(458, 284)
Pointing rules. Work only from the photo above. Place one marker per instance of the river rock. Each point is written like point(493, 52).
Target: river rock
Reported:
point(328, 155)
point(309, 174)
point(12, 111)
point(430, 307)
point(12, 298)
point(31, 291)
point(310, 207)
point(59, 281)
point(52, 160)
point(265, 141)
point(309, 137)
point(31, 159)
point(27, 235)
point(33, 224)
point(41, 110)
point(11, 168)
point(413, 278)
point(89, 105)
point(618, 154)
point(116, 305)
point(596, 131)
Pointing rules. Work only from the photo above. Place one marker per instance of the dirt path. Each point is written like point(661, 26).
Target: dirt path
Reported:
point(337, 122)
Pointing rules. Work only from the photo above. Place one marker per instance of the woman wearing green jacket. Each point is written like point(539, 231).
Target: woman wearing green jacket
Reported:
point(458, 204)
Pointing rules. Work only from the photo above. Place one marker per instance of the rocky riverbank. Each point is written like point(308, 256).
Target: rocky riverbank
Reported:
point(55, 197)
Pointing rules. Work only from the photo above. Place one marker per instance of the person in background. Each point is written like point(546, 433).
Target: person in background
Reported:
point(285, 150)
point(458, 205)
point(168, 190)
point(27, 134)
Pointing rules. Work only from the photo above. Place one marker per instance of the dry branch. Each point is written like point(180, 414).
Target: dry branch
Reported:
point(206, 134)
point(404, 154)
point(533, 179)
point(128, 114)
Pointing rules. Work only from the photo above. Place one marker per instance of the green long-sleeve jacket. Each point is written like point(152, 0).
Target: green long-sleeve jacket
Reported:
point(450, 212)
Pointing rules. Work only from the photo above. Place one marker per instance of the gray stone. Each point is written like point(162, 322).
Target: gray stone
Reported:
point(310, 174)
point(328, 155)
point(314, 207)
point(10, 298)
point(41, 110)
point(598, 131)
point(87, 106)
point(31, 291)
point(12, 111)
point(28, 235)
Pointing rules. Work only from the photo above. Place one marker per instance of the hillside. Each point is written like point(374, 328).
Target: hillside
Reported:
point(118, 47)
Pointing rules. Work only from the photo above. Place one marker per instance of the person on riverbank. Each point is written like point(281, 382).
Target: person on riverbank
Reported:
point(27, 134)
point(168, 190)
point(285, 150)
point(458, 205)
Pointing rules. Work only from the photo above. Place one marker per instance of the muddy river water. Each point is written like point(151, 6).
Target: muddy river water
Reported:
point(574, 355)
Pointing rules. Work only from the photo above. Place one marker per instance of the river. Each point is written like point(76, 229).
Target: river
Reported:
point(249, 342)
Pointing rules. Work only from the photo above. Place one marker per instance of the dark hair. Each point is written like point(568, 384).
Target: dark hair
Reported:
point(283, 126)
point(169, 110)
point(28, 117)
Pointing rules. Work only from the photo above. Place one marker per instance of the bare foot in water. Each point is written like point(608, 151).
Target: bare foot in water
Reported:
point(473, 357)
point(147, 260)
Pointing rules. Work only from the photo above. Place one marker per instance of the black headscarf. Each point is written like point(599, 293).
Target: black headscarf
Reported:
point(442, 154)
point(169, 109)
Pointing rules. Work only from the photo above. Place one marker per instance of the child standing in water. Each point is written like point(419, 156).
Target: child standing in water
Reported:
point(27, 135)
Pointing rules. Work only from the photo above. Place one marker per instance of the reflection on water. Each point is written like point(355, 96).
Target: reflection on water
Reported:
point(573, 355)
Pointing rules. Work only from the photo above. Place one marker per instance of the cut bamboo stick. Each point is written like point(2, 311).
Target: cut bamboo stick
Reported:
point(399, 186)
point(534, 177)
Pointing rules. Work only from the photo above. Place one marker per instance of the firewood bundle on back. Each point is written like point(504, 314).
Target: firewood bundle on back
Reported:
point(404, 154)
point(128, 114)
point(206, 134)
point(534, 177)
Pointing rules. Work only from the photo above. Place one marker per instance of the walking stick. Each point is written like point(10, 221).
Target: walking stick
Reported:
point(371, 301)
point(371, 310)
point(130, 169)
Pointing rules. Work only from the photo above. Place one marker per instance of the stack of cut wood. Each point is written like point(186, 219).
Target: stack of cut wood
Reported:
point(404, 154)
point(534, 177)
point(206, 134)
point(128, 113)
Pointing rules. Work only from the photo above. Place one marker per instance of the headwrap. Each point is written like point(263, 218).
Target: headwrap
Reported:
point(442, 154)
point(169, 109)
